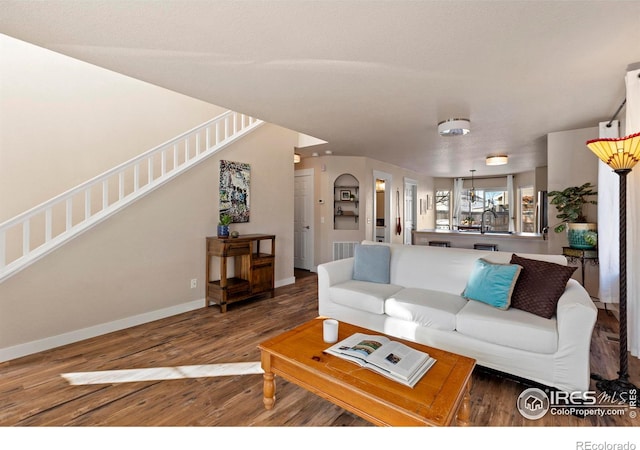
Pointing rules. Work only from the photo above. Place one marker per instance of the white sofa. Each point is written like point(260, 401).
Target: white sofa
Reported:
point(423, 303)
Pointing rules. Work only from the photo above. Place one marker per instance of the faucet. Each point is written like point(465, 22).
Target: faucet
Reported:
point(482, 228)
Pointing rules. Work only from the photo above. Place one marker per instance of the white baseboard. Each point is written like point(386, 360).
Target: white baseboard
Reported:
point(285, 282)
point(48, 343)
point(40, 345)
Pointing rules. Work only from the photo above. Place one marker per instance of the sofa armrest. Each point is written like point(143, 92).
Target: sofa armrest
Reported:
point(575, 312)
point(330, 274)
point(576, 315)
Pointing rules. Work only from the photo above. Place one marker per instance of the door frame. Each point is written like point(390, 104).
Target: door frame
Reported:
point(410, 185)
point(310, 202)
point(388, 219)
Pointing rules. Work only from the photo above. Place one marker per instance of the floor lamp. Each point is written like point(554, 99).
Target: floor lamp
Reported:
point(621, 155)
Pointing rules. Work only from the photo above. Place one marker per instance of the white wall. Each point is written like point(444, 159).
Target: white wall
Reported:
point(571, 163)
point(327, 169)
point(64, 121)
point(137, 265)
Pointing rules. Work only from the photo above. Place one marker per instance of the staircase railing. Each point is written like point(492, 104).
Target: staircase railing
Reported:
point(31, 235)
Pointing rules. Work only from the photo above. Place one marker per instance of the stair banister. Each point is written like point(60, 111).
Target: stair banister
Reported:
point(234, 126)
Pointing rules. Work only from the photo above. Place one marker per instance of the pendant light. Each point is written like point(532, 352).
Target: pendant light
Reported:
point(472, 191)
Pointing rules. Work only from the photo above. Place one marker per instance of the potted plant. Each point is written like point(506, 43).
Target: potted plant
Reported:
point(570, 203)
point(223, 225)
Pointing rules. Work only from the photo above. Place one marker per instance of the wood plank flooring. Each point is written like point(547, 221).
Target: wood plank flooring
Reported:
point(33, 392)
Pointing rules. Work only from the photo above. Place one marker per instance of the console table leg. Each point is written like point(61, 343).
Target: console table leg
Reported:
point(269, 382)
point(465, 408)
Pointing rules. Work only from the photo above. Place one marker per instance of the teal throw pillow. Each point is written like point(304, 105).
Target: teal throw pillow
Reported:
point(372, 263)
point(492, 283)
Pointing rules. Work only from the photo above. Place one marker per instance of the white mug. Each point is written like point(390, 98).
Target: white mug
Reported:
point(330, 331)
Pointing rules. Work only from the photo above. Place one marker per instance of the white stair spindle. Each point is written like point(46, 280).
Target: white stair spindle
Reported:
point(136, 177)
point(68, 214)
point(87, 203)
point(105, 194)
point(175, 156)
point(26, 236)
point(47, 225)
point(120, 185)
point(3, 249)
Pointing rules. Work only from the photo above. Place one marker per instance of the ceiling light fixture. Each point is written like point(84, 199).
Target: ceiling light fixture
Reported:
point(497, 160)
point(454, 127)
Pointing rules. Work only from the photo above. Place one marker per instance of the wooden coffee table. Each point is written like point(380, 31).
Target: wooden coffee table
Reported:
point(439, 398)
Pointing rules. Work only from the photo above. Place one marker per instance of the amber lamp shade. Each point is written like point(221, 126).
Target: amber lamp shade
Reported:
point(618, 153)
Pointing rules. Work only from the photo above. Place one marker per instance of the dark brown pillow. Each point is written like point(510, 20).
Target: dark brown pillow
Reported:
point(539, 286)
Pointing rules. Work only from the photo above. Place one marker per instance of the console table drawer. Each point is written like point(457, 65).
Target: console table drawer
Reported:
point(219, 248)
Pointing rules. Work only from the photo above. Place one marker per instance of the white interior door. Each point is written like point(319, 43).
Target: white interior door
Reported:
point(303, 220)
point(410, 210)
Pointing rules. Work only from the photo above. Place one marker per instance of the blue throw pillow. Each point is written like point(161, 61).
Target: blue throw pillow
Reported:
point(492, 283)
point(372, 263)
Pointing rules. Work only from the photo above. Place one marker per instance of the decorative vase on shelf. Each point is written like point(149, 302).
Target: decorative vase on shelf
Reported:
point(582, 236)
point(223, 226)
point(223, 231)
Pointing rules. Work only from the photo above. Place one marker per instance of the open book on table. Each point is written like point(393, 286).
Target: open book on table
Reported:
point(392, 359)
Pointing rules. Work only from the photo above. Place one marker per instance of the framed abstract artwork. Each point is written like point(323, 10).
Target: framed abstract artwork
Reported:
point(235, 180)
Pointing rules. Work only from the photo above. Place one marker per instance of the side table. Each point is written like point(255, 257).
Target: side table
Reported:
point(575, 254)
point(254, 268)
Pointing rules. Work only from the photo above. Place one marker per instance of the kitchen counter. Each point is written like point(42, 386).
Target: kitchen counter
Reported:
point(509, 242)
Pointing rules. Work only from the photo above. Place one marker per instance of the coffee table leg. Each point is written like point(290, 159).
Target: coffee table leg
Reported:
point(269, 382)
point(464, 412)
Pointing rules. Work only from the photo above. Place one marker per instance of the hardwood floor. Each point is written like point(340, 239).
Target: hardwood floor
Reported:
point(34, 393)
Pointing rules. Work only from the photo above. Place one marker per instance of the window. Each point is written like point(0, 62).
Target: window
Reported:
point(496, 200)
point(443, 210)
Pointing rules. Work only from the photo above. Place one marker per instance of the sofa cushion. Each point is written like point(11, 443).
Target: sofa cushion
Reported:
point(363, 295)
point(492, 283)
point(512, 328)
point(427, 308)
point(371, 263)
point(540, 286)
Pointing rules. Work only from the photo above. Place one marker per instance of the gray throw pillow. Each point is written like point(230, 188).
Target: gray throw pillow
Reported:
point(372, 263)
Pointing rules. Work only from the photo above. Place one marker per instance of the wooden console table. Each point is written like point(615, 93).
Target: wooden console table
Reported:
point(254, 271)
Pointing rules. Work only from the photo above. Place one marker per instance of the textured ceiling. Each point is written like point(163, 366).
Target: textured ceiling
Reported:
point(372, 78)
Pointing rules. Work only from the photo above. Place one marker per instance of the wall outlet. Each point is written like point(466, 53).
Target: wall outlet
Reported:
point(194, 283)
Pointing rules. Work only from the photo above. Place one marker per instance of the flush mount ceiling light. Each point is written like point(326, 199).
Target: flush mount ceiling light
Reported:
point(497, 160)
point(454, 127)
